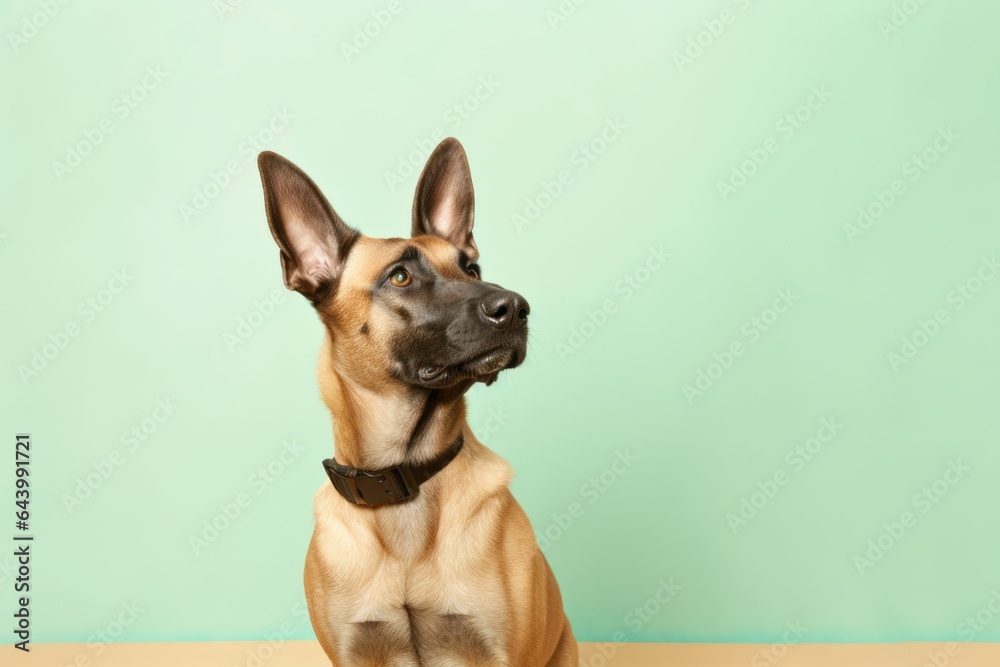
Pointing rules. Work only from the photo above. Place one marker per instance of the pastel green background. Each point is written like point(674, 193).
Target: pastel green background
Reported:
point(561, 418)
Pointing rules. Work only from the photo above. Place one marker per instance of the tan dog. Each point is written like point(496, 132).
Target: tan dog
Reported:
point(421, 555)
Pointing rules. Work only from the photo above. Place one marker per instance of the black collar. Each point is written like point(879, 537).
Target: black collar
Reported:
point(378, 487)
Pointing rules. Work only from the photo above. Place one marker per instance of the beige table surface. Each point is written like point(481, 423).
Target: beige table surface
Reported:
point(308, 654)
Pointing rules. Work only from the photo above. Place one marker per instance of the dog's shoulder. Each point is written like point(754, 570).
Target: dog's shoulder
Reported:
point(491, 471)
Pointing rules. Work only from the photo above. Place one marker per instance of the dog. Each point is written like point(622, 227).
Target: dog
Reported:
point(420, 554)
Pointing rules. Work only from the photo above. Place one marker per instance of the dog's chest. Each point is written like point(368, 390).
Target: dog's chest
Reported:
point(432, 598)
point(425, 638)
point(438, 621)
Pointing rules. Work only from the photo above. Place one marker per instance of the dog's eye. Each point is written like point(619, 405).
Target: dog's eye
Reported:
point(473, 270)
point(400, 278)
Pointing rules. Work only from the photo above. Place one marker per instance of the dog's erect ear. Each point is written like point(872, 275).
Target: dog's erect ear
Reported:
point(445, 204)
point(314, 241)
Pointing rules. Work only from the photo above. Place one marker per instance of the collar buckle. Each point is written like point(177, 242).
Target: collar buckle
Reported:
point(374, 487)
point(392, 485)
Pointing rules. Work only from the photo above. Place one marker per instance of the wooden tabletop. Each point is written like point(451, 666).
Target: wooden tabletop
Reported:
point(308, 654)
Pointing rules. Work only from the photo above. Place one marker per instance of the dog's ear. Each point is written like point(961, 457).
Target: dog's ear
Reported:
point(444, 204)
point(313, 240)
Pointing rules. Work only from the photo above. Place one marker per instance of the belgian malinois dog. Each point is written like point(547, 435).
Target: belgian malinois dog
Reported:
point(420, 555)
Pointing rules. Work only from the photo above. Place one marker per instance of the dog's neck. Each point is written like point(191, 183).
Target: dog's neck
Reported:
point(377, 428)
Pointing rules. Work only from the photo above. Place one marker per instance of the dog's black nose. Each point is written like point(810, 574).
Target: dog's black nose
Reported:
point(505, 310)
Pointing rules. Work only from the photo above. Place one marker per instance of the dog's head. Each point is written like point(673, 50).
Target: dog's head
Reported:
point(415, 310)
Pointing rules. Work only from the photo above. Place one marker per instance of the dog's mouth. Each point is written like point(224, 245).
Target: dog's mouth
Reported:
point(482, 368)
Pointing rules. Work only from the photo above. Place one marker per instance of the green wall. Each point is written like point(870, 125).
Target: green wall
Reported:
point(762, 383)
